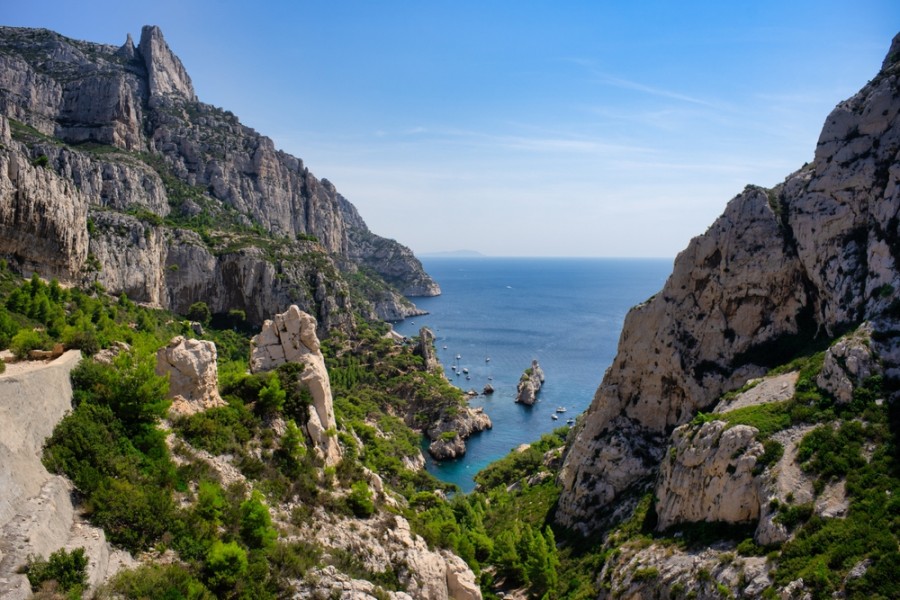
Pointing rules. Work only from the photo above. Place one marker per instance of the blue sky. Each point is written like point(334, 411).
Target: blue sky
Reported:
point(520, 128)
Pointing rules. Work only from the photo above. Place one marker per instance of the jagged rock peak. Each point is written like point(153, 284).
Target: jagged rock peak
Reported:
point(127, 49)
point(893, 54)
point(165, 73)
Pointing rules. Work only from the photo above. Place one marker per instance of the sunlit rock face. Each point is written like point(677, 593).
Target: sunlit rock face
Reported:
point(101, 143)
point(290, 337)
point(812, 257)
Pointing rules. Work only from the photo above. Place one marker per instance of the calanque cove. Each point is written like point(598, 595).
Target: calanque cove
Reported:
point(201, 396)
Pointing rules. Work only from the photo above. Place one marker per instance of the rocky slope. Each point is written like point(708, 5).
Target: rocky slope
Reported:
point(37, 514)
point(807, 260)
point(112, 171)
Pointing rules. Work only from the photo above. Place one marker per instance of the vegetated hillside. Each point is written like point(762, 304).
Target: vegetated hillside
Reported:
point(235, 501)
point(113, 171)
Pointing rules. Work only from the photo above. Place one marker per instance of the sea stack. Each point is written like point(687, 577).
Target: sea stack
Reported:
point(530, 384)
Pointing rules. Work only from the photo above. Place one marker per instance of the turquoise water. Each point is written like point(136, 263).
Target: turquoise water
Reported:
point(566, 313)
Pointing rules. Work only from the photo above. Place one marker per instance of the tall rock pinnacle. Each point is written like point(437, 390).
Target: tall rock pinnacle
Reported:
point(165, 73)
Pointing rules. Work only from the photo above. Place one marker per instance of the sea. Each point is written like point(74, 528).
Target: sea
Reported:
point(499, 314)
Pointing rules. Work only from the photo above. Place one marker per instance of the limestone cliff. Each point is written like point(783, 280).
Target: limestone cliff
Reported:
point(108, 164)
point(808, 259)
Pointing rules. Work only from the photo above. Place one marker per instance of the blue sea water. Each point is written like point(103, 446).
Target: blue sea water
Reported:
point(565, 312)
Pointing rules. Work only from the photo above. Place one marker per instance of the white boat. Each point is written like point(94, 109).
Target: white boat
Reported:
point(487, 359)
point(466, 370)
point(554, 417)
point(445, 347)
point(570, 422)
point(560, 409)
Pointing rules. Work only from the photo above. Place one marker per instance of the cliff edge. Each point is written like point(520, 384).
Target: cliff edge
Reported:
point(780, 269)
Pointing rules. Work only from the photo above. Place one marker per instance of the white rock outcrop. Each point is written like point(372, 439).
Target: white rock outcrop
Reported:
point(193, 375)
point(291, 337)
point(709, 475)
point(848, 362)
point(385, 542)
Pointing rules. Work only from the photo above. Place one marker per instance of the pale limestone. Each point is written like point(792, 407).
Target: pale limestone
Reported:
point(847, 364)
point(193, 374)
point(291, 337)
point(709, 475)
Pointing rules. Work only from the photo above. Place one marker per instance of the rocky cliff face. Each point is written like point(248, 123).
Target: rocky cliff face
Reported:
point(93, 131)
point(811, 258)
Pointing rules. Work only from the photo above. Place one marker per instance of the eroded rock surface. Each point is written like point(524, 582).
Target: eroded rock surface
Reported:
point(193, 375)
point(386, 542)
point(37, 514)
point(291, 337)
point(709, 475)
point(847, 364)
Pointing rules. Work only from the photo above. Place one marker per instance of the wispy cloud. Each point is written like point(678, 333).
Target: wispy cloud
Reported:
point(627, 84)
point(653, 91)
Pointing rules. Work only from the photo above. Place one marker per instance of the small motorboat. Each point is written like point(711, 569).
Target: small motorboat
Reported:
point(554, 417)
point(560, 409)
point(466, 370)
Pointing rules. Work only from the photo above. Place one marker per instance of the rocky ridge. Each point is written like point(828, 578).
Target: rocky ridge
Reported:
point(110, 168)
point(807, 260)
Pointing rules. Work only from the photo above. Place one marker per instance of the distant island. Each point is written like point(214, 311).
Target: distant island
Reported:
point(452, 254)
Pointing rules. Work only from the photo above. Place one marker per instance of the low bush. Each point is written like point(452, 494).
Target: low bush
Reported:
point(67, 569)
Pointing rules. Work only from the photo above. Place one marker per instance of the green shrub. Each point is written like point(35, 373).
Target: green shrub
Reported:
point(226, 564)
point(645, 574)
point(8, 328)
point(256, 523)
point(219, 430)
point(360, 500)
point(67, 569)
point(158, 581)
point(271, 396)
point(199, 311)
point(133, 515)
point(27, 340)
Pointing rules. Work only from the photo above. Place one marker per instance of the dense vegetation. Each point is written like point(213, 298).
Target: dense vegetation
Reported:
point(153, 495)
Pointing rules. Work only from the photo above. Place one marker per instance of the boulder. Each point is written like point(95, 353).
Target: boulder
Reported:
point(193, 375)
point(709, 475)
